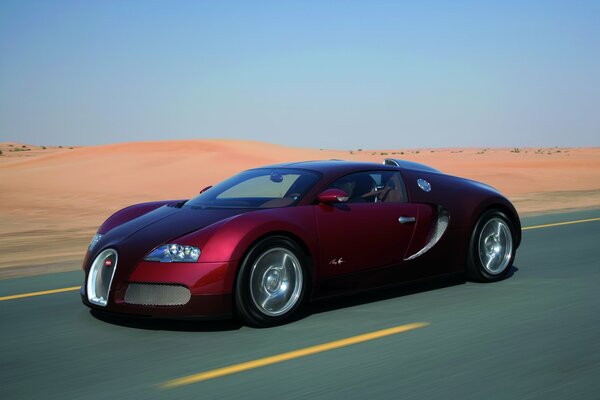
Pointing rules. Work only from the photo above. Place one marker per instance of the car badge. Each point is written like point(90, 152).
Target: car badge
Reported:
point(424, 185)
point(337, 261)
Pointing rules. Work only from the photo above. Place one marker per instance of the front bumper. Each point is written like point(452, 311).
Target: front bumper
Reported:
point(199, 306)
point(209, 284)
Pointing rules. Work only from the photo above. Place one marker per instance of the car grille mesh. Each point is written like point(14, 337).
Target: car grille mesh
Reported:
point(153, 294)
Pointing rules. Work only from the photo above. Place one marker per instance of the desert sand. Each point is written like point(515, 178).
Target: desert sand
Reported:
point(53, 199)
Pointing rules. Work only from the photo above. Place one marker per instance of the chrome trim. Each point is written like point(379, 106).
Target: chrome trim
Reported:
point(93, 277)
point(440, 227)
point(407, 220)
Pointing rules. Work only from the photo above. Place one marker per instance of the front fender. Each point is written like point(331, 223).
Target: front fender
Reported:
point(228, 240)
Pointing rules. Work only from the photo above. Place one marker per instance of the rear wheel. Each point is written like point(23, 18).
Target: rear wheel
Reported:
point(491, 249)
point(272, 282)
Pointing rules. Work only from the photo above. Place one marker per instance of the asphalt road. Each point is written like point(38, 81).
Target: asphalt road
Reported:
point(534, 335)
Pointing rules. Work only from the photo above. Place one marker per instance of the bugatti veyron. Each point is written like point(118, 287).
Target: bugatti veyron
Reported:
point(263, 243)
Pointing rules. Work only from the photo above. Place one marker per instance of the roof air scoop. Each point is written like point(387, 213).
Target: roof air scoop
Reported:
point(409, 165)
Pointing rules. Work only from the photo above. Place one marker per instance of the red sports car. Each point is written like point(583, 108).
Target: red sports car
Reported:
point(264, 242)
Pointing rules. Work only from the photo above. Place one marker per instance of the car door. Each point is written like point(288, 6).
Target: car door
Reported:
point(366, 232)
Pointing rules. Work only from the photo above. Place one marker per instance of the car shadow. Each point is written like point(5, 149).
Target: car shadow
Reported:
point(374, 295)
point(168, 324)
point(396, 291)
point(512, 271)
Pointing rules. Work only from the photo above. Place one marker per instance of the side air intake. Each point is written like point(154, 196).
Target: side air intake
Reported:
point(436, 234)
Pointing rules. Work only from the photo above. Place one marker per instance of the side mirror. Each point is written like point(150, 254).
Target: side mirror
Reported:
point(331, 196)
point(205, 189)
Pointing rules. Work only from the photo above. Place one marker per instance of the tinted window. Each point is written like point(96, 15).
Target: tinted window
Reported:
point(258, 188)
point(373, 187)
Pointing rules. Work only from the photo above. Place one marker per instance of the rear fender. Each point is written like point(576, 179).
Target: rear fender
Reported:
point(464, 199)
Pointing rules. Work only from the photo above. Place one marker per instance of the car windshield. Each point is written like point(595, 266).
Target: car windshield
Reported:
point(258, 188)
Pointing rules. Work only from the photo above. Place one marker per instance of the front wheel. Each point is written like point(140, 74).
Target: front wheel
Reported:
point(491, 249)
point(272, 282)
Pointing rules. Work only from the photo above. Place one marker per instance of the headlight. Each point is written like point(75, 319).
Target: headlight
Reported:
point(174, 253)
point(95, 240)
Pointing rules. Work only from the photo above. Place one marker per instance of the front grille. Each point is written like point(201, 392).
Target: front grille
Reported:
point(157, 294)
point(100, 277)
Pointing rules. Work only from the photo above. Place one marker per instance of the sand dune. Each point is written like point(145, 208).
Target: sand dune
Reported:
point(54, 198)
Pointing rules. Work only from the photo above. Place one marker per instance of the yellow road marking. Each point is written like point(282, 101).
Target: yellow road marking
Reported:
point(261, 362)
point(579, 221)
point(42, 293)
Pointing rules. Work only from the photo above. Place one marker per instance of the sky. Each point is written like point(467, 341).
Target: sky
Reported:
point(321, 74)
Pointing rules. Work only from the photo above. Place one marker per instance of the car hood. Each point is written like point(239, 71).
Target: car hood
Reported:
point(136, 238)
point(168, 222)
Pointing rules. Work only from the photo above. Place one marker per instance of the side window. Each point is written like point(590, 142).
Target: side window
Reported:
point(372, 187)
point(393, 190)
point(360, 186)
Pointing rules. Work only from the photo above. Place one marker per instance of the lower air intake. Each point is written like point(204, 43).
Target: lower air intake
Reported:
point(156, 294)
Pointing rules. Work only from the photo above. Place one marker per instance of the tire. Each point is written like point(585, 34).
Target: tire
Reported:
point(272, 284)
point(491, 248)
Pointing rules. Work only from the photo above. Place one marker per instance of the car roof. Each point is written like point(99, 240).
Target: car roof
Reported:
point(328, 167)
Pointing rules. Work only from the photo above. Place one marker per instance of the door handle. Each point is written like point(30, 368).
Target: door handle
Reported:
point(407, 220)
